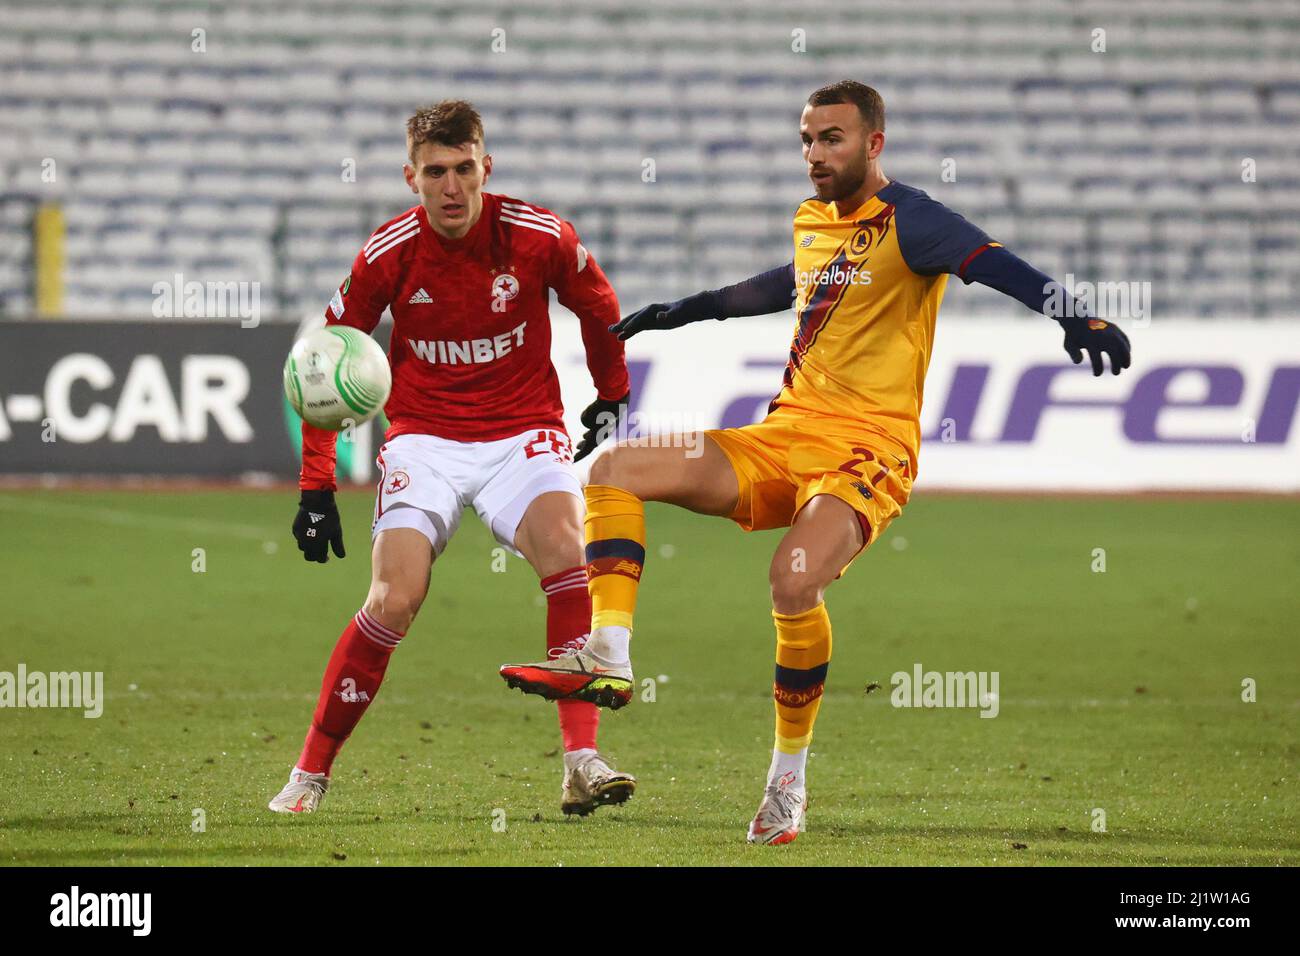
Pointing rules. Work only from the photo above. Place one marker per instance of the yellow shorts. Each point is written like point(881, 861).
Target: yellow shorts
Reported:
point(788, 457)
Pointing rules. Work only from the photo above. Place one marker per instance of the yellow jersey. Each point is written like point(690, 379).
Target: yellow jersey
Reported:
point(867, 290)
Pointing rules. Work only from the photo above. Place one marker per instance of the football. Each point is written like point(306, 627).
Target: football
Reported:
point(337, 376)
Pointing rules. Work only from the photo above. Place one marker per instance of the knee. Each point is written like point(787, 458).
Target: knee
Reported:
point(602, 469)
point(394, 605)
point(607, 468)
point(550, 534)
point(793, 590)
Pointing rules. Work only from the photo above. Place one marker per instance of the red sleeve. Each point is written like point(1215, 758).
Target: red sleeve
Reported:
point(363, 296)
point(359, 302)
point(317, 459)
point(582, 288)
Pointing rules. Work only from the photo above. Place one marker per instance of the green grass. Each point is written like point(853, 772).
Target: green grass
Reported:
point(1114, 695)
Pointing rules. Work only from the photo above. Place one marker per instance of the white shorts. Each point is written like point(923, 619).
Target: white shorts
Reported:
point(426, 482)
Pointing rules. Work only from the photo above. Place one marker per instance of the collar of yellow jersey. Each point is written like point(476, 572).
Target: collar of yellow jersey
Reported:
point(870, 206)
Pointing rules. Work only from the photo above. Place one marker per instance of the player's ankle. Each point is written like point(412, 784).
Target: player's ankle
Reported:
point(574, 757)
point(610, 645)
point(789, 769)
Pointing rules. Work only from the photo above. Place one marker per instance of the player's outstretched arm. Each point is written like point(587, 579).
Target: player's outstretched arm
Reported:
point(359, 302)
point(1000, 269)
point(582, 287)
point(763, 294)
point(317, 527)
point(933, 239)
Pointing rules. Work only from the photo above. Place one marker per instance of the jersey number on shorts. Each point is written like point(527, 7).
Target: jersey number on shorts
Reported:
point(850, 466)
point(550, 443)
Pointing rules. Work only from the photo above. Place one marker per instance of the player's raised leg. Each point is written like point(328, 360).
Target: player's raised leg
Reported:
point(401, 561)
point(824, 538)
point(550, 539)
point(689, 471)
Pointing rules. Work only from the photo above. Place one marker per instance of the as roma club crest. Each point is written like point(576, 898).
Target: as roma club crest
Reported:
point(870, 232)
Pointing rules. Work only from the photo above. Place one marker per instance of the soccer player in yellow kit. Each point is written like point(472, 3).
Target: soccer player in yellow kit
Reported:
point(835, 458)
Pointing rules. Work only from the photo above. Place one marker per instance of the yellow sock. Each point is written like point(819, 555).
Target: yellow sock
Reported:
point(803, 651)
point(615, 528)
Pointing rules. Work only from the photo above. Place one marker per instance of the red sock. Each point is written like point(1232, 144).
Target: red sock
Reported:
point(568, 618)
point(352, 679)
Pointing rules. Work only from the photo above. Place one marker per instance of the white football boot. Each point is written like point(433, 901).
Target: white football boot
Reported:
point(594, 783)
point(302, 794)
point(780, 816)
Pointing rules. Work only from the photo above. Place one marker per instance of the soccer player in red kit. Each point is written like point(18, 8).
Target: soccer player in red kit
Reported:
point(476, 420)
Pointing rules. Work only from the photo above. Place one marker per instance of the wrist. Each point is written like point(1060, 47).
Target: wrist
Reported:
point(1065, 308)
point(318, 498)
point(1072, 324)
point(320, 481)
point(703, 306)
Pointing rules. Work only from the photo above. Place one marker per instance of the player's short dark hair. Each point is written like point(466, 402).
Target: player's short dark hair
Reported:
point(867, 100)
point(450, 123)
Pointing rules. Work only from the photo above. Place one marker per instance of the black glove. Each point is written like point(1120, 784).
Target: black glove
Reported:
point(318, 527)
point(670, 315)
point(1096, 336)
point(601, 420)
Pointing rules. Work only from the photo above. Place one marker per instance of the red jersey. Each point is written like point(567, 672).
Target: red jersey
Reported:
point(471, 343)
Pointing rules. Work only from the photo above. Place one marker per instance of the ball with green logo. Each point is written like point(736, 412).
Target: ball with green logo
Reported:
point(337, 377)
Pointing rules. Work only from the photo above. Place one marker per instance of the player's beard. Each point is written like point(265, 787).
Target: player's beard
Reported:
point(843, 183)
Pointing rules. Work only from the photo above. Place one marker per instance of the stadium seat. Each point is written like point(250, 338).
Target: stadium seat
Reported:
point(1141, 144)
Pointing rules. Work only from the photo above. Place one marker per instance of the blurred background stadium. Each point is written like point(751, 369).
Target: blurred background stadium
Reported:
point(210, 139)
point(146, 147)
point(149, 145)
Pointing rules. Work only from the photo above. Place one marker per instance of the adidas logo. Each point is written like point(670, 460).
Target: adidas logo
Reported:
point(314, 516)
point(420, 298)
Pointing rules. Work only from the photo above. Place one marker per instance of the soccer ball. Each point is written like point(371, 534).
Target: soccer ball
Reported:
point(337, 376)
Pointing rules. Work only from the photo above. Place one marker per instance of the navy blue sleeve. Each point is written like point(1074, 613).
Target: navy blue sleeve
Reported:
point(933, 239)
point(1006, 272)
point(763, 294)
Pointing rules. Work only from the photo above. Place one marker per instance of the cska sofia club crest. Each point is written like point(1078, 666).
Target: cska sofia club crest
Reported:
point(505, 287)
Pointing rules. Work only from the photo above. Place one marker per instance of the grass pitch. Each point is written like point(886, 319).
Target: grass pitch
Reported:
point(1120, 691)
